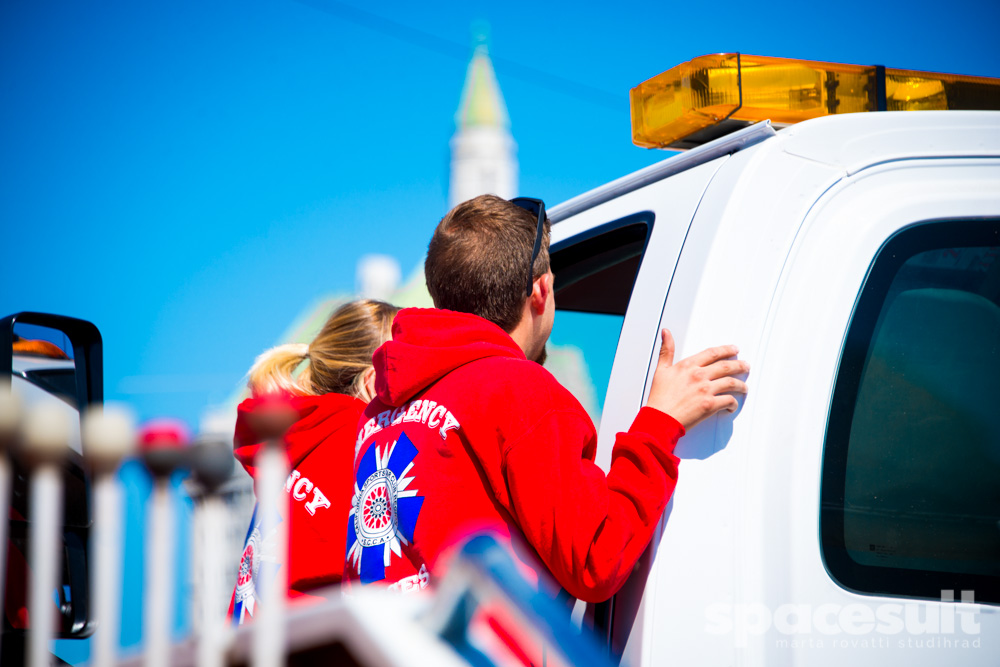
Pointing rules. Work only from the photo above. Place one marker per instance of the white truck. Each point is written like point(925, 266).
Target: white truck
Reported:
point(849, 511)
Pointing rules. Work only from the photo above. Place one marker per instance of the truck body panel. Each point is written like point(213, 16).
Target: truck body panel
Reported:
point(770, 248)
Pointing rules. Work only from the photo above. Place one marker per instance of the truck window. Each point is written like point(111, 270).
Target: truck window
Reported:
point(594, 275)
point(910, 490)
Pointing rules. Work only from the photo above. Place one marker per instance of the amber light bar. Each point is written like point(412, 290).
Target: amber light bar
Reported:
point(713, 95)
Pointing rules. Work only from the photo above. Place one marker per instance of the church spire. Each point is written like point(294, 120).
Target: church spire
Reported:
point(483, 156)
point(482, 102)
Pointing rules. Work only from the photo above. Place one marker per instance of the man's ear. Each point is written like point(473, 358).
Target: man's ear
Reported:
point(540, 292)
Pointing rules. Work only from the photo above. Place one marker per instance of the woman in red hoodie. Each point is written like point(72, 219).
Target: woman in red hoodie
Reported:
point(329, 394)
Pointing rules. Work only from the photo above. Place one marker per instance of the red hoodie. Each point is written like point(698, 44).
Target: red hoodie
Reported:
point(466, 435)
point(320, 449)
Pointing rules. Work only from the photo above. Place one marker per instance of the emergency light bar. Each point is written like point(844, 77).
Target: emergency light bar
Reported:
point(713, 95)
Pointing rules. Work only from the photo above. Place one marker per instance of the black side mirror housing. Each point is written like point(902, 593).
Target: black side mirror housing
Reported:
point(85, 351)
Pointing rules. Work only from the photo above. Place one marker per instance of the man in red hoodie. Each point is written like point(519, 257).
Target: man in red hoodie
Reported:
point(469, 434)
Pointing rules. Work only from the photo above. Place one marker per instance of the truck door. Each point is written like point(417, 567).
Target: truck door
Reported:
point(616, 259)
point(613, 265)
point(875, 448)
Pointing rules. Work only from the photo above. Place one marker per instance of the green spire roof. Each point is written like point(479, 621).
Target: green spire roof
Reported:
point(482, 103)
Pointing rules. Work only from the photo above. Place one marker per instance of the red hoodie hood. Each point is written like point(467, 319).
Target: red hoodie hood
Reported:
point(321, 419)
point(427, 344)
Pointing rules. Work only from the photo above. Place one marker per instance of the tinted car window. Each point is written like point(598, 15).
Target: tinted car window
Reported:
point(594, 275)
point(911, 470)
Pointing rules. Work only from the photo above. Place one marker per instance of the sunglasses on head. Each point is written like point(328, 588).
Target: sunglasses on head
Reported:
point(537, 207)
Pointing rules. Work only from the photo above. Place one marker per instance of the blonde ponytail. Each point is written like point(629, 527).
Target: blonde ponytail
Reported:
point(273, 371)
point(337, 358)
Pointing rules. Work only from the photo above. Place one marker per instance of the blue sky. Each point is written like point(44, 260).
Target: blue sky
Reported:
point(190, 176)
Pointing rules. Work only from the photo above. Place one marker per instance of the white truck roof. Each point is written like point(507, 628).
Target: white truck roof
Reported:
point(851, 141)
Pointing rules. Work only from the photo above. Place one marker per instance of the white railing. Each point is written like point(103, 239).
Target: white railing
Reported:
point(454, 626)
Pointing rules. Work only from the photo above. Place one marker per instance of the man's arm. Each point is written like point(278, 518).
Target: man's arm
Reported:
point(589, 528)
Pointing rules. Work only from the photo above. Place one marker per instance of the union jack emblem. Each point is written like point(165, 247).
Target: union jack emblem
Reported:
point(384, 510)
point(258, 564)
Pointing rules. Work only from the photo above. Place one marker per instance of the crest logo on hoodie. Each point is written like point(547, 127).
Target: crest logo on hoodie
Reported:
point(258, 564)
point(384, 510)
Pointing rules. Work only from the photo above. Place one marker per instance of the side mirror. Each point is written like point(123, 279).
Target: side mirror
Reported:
point(60, 360)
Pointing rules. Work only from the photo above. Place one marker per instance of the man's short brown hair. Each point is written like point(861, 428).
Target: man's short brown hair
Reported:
point(477, 261)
